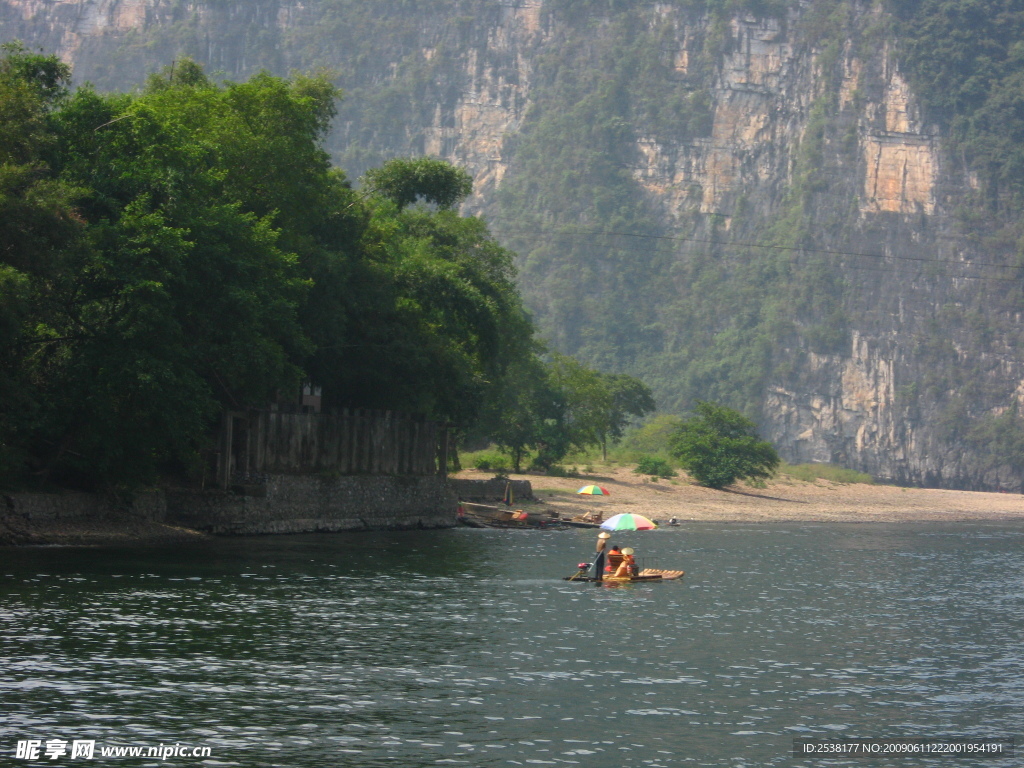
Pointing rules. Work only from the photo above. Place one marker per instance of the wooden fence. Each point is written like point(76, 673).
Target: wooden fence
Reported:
point(348, 442)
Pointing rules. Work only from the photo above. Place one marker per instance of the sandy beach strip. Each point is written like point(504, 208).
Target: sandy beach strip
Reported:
point(783, 500)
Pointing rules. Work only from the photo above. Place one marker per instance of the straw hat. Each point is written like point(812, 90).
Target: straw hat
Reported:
point(604, 535)
point(627, 551)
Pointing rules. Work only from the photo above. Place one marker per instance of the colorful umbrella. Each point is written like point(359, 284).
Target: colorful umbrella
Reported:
point(628, 522)
point(593, 490)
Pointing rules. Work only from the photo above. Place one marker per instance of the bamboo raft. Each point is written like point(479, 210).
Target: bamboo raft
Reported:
point(647, 574)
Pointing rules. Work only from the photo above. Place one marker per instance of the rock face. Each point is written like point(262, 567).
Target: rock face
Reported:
point(493, 99)
point(930, 340)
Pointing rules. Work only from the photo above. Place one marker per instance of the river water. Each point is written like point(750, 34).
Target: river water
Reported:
point(466, 647)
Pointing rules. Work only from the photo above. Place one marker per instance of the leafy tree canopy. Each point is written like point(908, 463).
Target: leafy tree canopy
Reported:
point(559, 404)
point(406, 180)
point(527, 411)
point(719, 446)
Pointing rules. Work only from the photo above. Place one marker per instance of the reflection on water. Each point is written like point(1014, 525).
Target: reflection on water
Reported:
point(465, 647)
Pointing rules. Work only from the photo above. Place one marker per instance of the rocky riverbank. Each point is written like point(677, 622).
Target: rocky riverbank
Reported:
point(782, 500)
point(76, 518)
point(91, 532)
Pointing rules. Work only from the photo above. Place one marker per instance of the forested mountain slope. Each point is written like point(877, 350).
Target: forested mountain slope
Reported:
point(808, 210)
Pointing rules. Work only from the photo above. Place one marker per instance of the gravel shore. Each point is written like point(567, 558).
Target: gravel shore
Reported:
point(783, 500)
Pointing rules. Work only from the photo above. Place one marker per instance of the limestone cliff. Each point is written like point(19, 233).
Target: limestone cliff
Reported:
point(823, 132)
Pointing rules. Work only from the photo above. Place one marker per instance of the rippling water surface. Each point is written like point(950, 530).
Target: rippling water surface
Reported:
point(465, 647)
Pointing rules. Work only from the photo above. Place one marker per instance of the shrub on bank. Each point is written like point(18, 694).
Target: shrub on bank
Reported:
point(488, 461)
point(835, 474)
point(655, 467)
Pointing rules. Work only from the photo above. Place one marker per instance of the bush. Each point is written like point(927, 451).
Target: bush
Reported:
point(557, 470)
point(489, 461)
point(655, 467)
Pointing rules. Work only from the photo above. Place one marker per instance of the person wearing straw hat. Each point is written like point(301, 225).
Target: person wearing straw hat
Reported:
point(602, 543)
point(627, 568)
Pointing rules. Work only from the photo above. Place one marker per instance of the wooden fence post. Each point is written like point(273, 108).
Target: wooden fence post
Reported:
point(442, 457)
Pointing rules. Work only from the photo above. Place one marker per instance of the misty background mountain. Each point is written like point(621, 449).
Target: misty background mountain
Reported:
point(806, 210)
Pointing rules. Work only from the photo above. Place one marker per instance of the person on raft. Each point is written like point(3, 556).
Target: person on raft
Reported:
point(614, 558)
point(602, 542)
point(627, 568)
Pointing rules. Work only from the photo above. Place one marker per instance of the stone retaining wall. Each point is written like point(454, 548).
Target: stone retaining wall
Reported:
point(55, 507)
point(284, 504)
point(303, 504)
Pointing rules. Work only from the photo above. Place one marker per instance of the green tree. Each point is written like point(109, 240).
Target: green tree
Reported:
point(630, 399)
point(556, 405)
point(588, 401)
point(525, 412)
point(599, 405)
point(40, 232)
point(404, 181)
point(719, 446)
point(176, 299)
point(437, 320)
point(655, 467)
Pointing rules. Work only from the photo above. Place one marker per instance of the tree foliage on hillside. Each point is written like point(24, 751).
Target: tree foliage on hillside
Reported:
point(186, 249)
point(608, 280)
point(699, 318)
point(965, 59)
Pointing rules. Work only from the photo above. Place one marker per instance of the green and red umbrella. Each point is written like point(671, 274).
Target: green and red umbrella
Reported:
point(628, 522)
point(593, 490)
